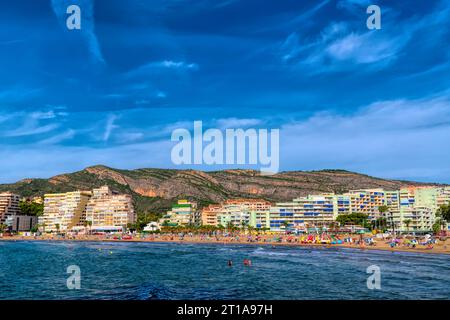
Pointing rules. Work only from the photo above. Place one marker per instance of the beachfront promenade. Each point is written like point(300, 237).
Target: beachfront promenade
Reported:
point(363, 242)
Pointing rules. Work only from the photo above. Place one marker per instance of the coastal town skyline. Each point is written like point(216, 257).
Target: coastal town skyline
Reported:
point(410, 208)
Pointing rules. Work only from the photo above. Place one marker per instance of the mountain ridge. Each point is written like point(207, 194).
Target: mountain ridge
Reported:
point(154, 190)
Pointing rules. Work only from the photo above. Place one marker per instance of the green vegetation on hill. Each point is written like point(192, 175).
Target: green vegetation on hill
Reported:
point(168, 185)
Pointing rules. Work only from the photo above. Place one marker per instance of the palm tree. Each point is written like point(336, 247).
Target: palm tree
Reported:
point(286, 225)
point(333, 226)
point(244, 225)
point(382, 210)
point(443, 223)
point(443, 214)
point(407, 222)
point(89, 224)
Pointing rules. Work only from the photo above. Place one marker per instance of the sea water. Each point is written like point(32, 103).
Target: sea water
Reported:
point(126, 270)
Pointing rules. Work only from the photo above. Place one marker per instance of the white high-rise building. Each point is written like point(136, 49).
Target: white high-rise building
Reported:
point(107, 211)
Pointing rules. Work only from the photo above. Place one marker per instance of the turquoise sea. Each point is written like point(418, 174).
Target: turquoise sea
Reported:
point(38, 270)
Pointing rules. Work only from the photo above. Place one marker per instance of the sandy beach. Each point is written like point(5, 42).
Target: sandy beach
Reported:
point(441, 247)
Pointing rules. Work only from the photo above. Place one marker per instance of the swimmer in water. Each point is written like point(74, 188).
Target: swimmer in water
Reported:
point(230, 263)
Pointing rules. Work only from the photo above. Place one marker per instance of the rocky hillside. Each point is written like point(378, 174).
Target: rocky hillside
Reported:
point(155, 189)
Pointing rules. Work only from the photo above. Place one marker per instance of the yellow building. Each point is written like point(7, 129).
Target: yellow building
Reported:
point(367, 201)
point(63, 211)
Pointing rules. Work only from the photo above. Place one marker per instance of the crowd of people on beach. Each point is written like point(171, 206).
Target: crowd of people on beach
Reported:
point(381, 241)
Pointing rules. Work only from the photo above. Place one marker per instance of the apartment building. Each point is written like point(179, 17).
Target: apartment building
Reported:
point(209, 215)
point(9, 205)
point(252, 212)
point(342, 204)
point(104, 210)
point(182, 213)
point(304, 212)
point(367, 201)
point(257, 210)
point(63, 211)
point(107, 211)
point(443, 198)
point(235, 214)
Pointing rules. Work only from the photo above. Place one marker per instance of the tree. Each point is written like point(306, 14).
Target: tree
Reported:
point(381, 223)
point(285, 225)
point(333, 226)
point(3, 227)
point(436, 226)
point(443, 212)
point(353, 218)
point(35, 229)
point(243, 225)
point(43, 225)
point(407, 222)
point(131, 226)
point(31, 208)
point(383, 209)
point(89, 224)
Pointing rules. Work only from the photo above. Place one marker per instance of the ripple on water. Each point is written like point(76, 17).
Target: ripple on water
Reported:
point(176, 271)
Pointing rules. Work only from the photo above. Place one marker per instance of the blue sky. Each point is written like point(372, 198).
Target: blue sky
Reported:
point(343, 96)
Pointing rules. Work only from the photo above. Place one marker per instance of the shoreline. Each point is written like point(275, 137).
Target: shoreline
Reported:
point(441, 248)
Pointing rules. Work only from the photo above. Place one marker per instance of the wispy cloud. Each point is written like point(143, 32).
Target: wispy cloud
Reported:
point(348, 45)
point(338, 48)
point(87, 25)
point(110, 126)
point(32, 124)
point(56, 139)
point(161, 65)
point(237, 123)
